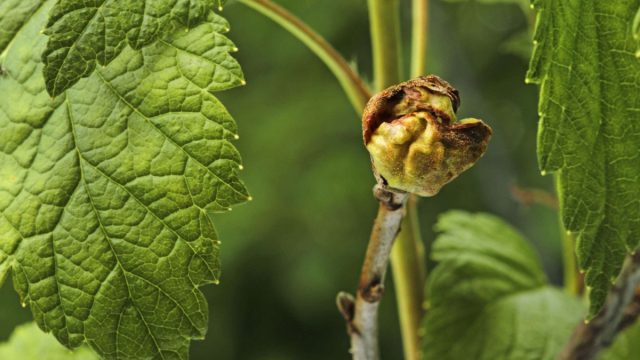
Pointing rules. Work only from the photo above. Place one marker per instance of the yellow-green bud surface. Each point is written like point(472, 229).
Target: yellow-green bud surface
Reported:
point(416, 143)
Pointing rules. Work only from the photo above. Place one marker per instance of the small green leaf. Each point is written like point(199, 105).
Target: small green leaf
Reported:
point(82, 32)
point(590, 128)
point(106, 190)
point(488, 297)
point(29, 343)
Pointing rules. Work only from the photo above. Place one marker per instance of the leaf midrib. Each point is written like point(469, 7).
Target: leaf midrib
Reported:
point(146, 118)
point(108, 239)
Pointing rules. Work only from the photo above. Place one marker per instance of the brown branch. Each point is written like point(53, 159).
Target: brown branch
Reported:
point(620, 310)
point(631, 313)
point(361, 313)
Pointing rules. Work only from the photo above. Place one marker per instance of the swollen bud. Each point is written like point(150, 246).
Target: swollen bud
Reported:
point(416, 143)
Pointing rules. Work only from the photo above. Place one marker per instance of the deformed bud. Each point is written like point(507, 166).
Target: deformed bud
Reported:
point(416, 143)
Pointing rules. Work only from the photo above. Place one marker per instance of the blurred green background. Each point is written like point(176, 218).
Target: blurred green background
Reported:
point(286, 254)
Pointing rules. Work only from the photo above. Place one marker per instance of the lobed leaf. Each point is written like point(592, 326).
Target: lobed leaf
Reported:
point(106, 190)
point(488, 297)
point(590, 128)
point(82, 32)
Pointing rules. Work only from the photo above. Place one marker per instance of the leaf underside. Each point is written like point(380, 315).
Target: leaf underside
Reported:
point(82, 32)
point(106, 190)
point(589, 132)
point(488, 297)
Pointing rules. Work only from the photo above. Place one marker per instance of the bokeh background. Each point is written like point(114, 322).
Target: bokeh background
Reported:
point(286, 254)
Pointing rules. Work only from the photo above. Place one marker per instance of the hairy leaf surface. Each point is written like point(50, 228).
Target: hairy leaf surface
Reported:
point(589, 132)
point(488, 297)
point(27, 342)
point(106, 190)
point(82, 32)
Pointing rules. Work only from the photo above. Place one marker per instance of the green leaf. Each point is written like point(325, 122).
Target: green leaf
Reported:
point(590, 128)
point(626, 345)
point(82, 32)
point(29, 343)
point(488, 297)
point(106, 190)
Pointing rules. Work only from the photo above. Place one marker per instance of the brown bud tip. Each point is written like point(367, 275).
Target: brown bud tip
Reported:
point(418, 94)
point(415, 141)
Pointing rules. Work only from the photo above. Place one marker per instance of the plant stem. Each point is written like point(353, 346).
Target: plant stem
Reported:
point(408, 264)
point(354, 87)
point(409, 271)
point(571, 284)
point(361, 314)
point(408, 260)
point(419, 31)
point(619, 311)
point(384, 18)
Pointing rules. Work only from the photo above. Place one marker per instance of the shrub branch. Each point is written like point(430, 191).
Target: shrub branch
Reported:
point(361, 313)
point(621, 310)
